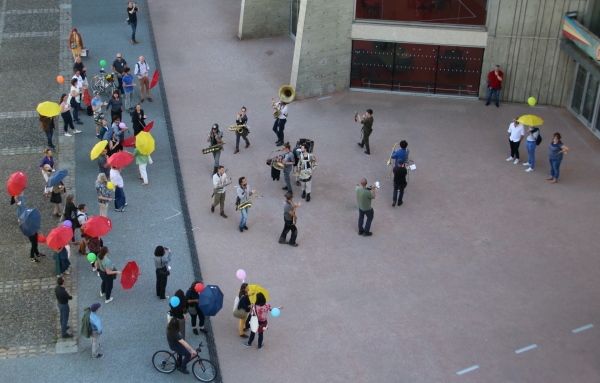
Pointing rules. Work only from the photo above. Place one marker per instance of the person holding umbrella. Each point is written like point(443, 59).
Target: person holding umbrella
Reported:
point(34, 252)
point(260, 309)
point(141, 161)
point(30, 224)
point(107, 270)
point(103, 194)
point(19, 200)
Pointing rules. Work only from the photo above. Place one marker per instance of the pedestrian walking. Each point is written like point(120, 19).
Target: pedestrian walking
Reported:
point(65, 113)
point(162, 257)
point(34, 252)
point(193, 297)
point(364, 196)
point(138, 119)
point(132, 10)
point(48, 125)
point(63, 298)
point(128, 86)
point(142, 71)
point(244, 303)
point(75, 43)
point(399, 183)
point(107, 273)
point(103, 194)
point(261, 308)
point(96, 326)
point(494, 78)
point(61, 262)
point(179, 311)
point(516, 131)
point(532, 142)
point(141, 161)
point(56, 198)
point(178, 344)
point(555, 156)
point(117, 180)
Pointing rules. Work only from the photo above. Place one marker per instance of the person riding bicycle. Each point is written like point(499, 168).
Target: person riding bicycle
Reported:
point(176, 343)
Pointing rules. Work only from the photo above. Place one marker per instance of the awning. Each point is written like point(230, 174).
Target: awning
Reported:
point(581, 57)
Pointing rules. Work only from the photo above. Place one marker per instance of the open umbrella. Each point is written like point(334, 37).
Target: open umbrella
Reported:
point(56, 177)
point(16, 183)
point(120, 159)
point(149, 126)
point(211, 300)
point(256, 289)
point(31, 221)
point(129, 275)
point(48, 109)
point(531, 120)
point(144, 143)
point(59, 237)
point(129, 142)
point(97, 149)
point(97, 226)
point(154, 79)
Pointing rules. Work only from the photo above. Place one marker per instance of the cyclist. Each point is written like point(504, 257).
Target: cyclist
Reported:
point(180, 346)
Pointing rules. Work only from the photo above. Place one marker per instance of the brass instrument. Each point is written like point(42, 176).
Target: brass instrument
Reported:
point(219, 188)
point(272, 160)
point(355, 116)
point(390, 162)
point(246, 203)
point(294, 217)
point(303, 173)
point(287, 95)
point(278, 165)
point(238, 128)
point(214, 148)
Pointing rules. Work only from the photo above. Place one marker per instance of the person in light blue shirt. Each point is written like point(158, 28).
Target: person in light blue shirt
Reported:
point(128, 88)
point(532, 134)
point(400, 154)
point(96, 326)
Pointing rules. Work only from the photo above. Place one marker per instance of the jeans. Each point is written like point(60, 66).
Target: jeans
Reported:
point(127, 100)
point(286, 229)
point(237, 140)
point(64, 317)
point(68, 121)
point(161, 285)
point(260, 338)
point(107, 284)
point(361, 217)
point(555, 167)
point(133, 28)
point(514, 148)
point(278, 128)
point(120, 80)
point(398, 188)
point(75, 110)
point(286, 177)
point(496, 93)
point(531, 151)
point(119, 198)
point(49, 138)
point(244, 217)
point(216, 156)
point(183, 353)
point(95, 338)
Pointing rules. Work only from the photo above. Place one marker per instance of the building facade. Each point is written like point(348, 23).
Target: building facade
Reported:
point(433, 47)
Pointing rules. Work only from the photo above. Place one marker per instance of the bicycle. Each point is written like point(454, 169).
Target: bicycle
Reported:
point(103, 82)
point(166, 362)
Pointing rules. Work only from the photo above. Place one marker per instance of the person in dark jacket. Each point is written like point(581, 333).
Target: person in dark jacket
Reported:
point(244, 304)
point(138, 119)
point(179, 311)
point(71, 215)
point(63, 298)
point(34, 252)
point(179, 345)
point(162, 257)
point(193, 297)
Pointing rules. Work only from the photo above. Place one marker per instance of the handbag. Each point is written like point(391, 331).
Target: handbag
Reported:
point(254, 321)
point(114, 276)
point(73, 45)
point(164, 272)
point(192, 310)
point(237, 311)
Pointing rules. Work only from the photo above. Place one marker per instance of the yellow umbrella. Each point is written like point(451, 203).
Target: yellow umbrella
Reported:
point(48, 109)
point(97, 149)
point(256, 289)
point(144, 142)
point(531, 120)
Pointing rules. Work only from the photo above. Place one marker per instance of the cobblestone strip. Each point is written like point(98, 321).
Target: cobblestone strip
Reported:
point(30, 11)
point(24, 114)
point(28, 284)
point(29, 34)
point(2, 17)
point(23, 150)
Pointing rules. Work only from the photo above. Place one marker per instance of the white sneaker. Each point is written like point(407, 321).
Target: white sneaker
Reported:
point(529, 170)
point(68, 135)
point(516, 161)
point(509, 159)
point(526, 164)
point(101, 294)
point(109, 300)
point(76, 131)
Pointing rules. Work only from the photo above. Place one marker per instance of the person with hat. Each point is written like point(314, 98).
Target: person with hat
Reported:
point(215, 137)
point(96, 330)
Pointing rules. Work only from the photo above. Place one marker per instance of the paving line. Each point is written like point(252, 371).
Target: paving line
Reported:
point(23, 114)
point(30, 11)
point(582, 328)
point(23, 150)
point(530, 347)
point(475, 367)
point(29, 34)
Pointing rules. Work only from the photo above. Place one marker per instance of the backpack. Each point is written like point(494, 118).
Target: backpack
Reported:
point(538, 140)
point(296, 158)
point(86, 327)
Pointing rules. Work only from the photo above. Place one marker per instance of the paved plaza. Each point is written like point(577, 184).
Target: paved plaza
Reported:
point(483, 265)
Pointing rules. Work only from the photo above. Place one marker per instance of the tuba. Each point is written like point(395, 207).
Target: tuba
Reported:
point(214, 148)
point(287, 95)
point(246, 203)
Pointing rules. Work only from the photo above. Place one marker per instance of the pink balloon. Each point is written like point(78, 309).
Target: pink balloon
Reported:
point(241, 274)
point(68, 223)
point(122, 126)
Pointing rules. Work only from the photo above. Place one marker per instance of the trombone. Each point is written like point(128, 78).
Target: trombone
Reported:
point(391, 161)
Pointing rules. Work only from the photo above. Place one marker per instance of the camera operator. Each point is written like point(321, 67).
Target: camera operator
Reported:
point(132, 10)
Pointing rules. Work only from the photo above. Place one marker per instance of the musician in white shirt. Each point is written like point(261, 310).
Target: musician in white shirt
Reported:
point(219, 180)
point(142, 71)
point(280, 121)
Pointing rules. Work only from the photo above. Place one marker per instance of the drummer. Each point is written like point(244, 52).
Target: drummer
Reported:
point(305, 168)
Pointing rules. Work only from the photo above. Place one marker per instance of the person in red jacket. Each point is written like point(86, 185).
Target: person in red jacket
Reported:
point(495, 78)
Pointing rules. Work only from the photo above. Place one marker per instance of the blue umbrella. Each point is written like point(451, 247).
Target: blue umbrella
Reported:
point(57, 177)
point(30, 222)
point(211, 300)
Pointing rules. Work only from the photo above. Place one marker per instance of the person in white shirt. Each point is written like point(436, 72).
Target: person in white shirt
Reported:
point(515, 135)
point(142, 71)
point(280, 121)
point(219, 180)
point(117, 180)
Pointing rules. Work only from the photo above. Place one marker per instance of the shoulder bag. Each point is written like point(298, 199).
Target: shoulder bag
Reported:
point(254, 321)
point(237, 311)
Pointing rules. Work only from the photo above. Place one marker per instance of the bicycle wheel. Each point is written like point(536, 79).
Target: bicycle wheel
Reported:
point(97, 85)
point(204, 370)
point(164, 361)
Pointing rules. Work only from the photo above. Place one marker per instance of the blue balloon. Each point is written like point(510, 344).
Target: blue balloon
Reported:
point(174, 302)
point(275, 312)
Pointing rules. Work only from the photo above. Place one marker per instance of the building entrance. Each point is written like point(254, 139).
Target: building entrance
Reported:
point(584, 100)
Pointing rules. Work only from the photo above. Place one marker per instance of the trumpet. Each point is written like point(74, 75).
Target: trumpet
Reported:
point(246, 203)
point(355, 116)
point(390, 162)
point(237, 128)
point(213, 148)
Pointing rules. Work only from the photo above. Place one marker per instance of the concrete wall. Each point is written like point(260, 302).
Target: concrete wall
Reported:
point(524, 39)
point(264, 18)
point(323, 45)
point(424, 34)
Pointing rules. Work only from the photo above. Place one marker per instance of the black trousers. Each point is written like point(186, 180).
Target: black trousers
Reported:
point(161, 284)
point(200, 316)
point(34, 246)
point(365, 141)
point(286, 229)
point(514, 148)
point(278, 128)
point(398, 189)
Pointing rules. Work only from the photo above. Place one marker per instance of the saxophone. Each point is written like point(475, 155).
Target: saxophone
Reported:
point(246, 203)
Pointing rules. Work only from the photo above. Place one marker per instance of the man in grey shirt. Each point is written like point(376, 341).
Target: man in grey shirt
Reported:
point(364, 196)
point(288, 161)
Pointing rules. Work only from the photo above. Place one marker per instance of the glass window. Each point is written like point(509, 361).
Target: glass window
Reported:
point(578, 89)
point(590, 99)
point(294, 18)
point(416, 68)
point(461, 12)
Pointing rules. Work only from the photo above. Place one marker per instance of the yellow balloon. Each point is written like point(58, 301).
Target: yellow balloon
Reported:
point(110, 185)
point(531, 101)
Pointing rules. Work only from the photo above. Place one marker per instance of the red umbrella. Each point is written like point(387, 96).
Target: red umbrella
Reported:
point(97, 226)
point(154, 79)
point(129, 275)
point(16, 183)
point(120, 159)
point(129, 142)
point(59, 237)
point(149, 126)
